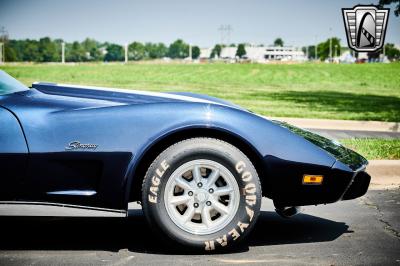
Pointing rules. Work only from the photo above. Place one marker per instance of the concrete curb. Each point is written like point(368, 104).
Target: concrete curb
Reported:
point(376, 126)
point(385, 174)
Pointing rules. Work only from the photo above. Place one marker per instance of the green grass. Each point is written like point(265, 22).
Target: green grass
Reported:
point(355, 92)
point(375, 149)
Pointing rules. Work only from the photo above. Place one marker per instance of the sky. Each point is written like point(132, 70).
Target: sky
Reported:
point(297, 22)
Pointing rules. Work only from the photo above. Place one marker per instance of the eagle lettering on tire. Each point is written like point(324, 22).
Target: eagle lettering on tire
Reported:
point(202, 193)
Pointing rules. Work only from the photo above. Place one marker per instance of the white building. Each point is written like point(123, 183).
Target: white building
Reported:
point(259, 53)
point(205, 53)
point(228, 53)
point(284, 53)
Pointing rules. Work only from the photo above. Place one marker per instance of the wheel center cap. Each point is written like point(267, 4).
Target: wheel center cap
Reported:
point(201, 196)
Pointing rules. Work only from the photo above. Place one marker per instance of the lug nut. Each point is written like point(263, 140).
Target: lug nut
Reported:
point(196, 205)
point(200, 184)
point(190, 193)
point(208, 203)
point(211, 190)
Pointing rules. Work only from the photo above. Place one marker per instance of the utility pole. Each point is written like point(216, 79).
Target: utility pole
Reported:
point(63, 52)
point(1, 53)
point(126, 53)
point(190, 51)
point(316, 47)
point(330, 45)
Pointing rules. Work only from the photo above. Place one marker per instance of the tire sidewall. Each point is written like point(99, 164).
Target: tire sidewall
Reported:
point(225, 154)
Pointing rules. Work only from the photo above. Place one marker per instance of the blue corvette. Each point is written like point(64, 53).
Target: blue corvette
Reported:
point(198, 165)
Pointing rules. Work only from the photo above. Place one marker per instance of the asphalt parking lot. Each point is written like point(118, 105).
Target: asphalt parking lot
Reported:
point(364, 231)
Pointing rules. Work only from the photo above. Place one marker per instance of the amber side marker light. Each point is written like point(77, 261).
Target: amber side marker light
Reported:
point(312, 179)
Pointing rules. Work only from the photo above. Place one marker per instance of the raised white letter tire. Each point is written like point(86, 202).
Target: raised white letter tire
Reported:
point(202, 193)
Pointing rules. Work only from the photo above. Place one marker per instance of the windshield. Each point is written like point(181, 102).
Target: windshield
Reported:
point(10, 85)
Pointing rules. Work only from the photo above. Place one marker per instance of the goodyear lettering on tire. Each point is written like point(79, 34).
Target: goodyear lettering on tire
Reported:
point(156, 180)
point(249, 191)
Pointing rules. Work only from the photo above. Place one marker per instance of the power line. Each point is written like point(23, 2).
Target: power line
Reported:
point(225, 33)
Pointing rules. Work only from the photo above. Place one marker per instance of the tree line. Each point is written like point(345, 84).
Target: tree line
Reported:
point(90, 50)
point(323, 50)
point(48, 50)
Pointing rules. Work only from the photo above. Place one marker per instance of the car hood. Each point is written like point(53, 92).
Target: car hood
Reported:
point(126, 96)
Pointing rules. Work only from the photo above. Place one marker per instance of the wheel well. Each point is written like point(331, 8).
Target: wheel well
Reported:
point(164, 143)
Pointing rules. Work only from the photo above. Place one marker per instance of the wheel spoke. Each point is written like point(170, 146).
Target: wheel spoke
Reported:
point(213, 177)
point(190, 211)
point(223, 191)
point(220, 207)
point(177, 200)
point(196, 174)
point(182, 183)
point(205, 216)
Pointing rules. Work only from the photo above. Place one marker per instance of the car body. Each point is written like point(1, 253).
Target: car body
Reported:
point(82, 148)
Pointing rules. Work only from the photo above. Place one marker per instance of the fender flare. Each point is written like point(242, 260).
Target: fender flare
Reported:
point(138, 157)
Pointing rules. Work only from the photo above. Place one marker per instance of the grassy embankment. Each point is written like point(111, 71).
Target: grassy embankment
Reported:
point(355, 92)
point(375, 149)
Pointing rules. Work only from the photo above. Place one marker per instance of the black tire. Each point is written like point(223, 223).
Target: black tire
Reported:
point(223, 153)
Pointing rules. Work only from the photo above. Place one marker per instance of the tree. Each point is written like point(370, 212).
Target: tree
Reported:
point(311, 51)
point(241, 51)
point(115, 52)
point(14, 50)
point(178, 49)
point(195, 52)
point(75, 52)
point(216, 51)
point(31, 51)
point(136, 51)
point(161, 50)
point(48, 50)
point(155, 50)
point(323, 48)
point(392, 52)
point(91, 48)
point(278, 42)
point(388, 2)
point(10, 53)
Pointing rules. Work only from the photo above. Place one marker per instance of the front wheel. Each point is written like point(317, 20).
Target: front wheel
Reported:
point(202, 193)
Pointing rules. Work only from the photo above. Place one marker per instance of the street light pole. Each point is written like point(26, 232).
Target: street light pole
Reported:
point(1, 53)
point(63, 53)
point(330, 45)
